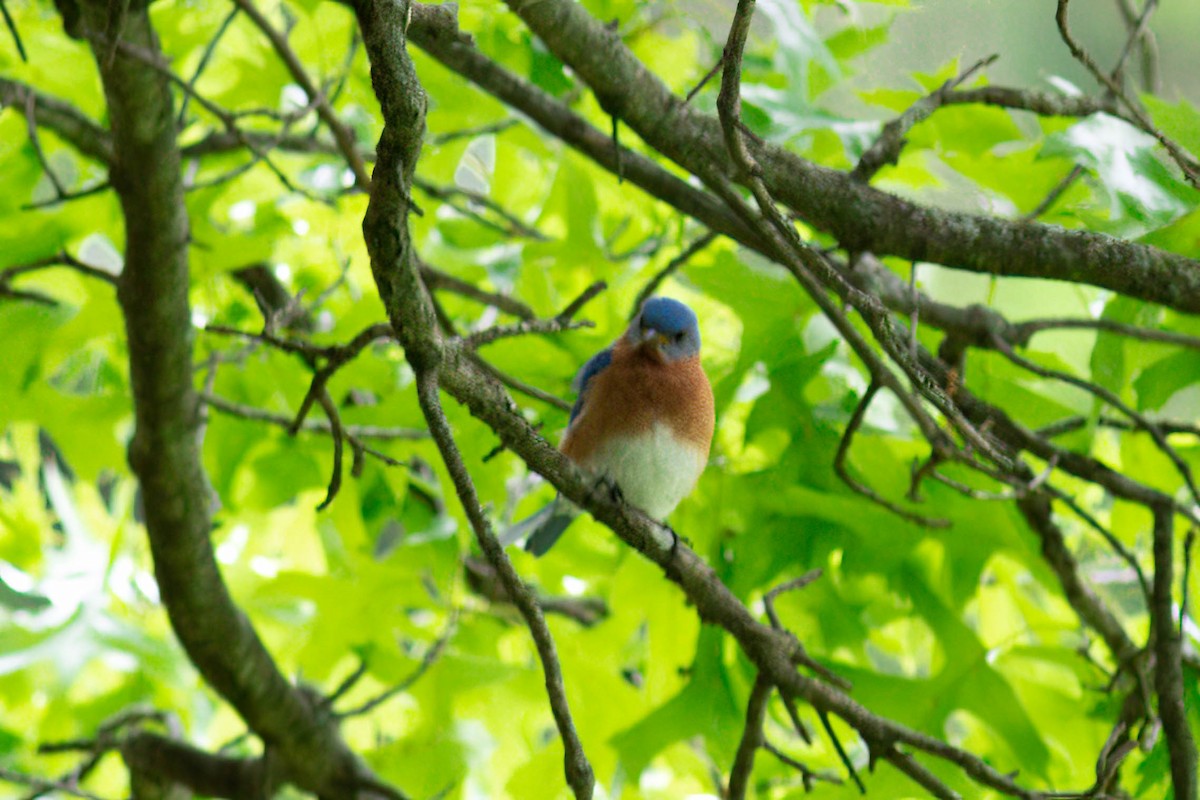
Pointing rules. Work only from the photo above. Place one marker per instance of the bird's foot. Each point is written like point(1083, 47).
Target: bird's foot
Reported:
point(675, 539)
point(608, 486)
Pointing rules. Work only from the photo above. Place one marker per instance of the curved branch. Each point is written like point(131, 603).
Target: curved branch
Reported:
point(396, 268)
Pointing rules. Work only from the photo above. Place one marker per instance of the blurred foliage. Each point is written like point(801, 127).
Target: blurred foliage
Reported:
point(961, 633)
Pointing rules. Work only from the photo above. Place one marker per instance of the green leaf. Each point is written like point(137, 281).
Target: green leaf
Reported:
point(1159, 382)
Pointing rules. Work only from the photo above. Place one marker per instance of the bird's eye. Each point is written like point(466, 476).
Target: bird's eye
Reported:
point(679, 336)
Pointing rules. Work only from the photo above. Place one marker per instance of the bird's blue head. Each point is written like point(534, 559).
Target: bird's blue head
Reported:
point(666, 328)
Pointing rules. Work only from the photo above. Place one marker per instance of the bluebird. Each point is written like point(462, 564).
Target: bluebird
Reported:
point(643, 420)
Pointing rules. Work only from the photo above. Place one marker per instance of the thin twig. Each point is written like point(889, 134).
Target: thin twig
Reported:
point(807, 775)
point(671, 267)
point(1026, 330)
point(209, 48)
point(436, 279)
point(31, 126)
point(1186, 161)
point(524, 328)
point(490, 129)
point(44, 785)
point(1052, 196)
point(1113, 400)
point(1015, 491)
point(342, 133)
point(335, 426)
point(1186, 578)
point(921, 774)
point(800, 655)
point(60, 259)
point(312, 426)
point(227, 118)
point(348, 683)
point(886, 148)
point(1139, 31)
point(518, 385)
point(513, 225)
point(708, 76)
point(95, 189)
point(578, 769)
point(841, 751)
point(573, 308)
point(1071, 424)
point(12, 29)
point(431, 656)
point(839, 467)
point(1118, 547)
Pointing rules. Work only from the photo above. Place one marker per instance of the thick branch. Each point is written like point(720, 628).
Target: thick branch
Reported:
point(858, 216)
point(153, 293)
point(435, 30)
point(204, 773)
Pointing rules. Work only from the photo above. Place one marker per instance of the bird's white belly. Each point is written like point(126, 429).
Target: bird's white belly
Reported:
point(655, 470)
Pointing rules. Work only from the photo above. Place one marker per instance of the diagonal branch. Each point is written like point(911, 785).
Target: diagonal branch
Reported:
point(436, 279)
point(858, 216)
point(886, 149)
point(1082, 598)
point(752, 739)
point(670, 269)
point(578, 769)
point(394, 262)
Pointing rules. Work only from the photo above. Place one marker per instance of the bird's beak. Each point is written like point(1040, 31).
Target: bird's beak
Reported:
point(652, 337)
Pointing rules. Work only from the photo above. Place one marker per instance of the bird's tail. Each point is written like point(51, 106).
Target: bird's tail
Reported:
point(542, 528)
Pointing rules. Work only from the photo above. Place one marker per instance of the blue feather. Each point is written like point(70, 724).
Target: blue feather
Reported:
point(591, 369)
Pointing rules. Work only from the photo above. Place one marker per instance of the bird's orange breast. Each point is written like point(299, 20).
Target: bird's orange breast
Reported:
point(635, 393)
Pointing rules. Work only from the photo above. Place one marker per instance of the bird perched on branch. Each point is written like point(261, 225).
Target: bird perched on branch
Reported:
point(643, 420)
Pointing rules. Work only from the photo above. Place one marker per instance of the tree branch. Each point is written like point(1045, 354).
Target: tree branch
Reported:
point(394, 262)
point(752, 739)
point(1186, 161)
point(313, 425)
point(153, 294)
point(861, 218)
point(1168, 671)
point(578, 769)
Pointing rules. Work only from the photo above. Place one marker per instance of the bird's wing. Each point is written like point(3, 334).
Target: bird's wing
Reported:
point(595, 365)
